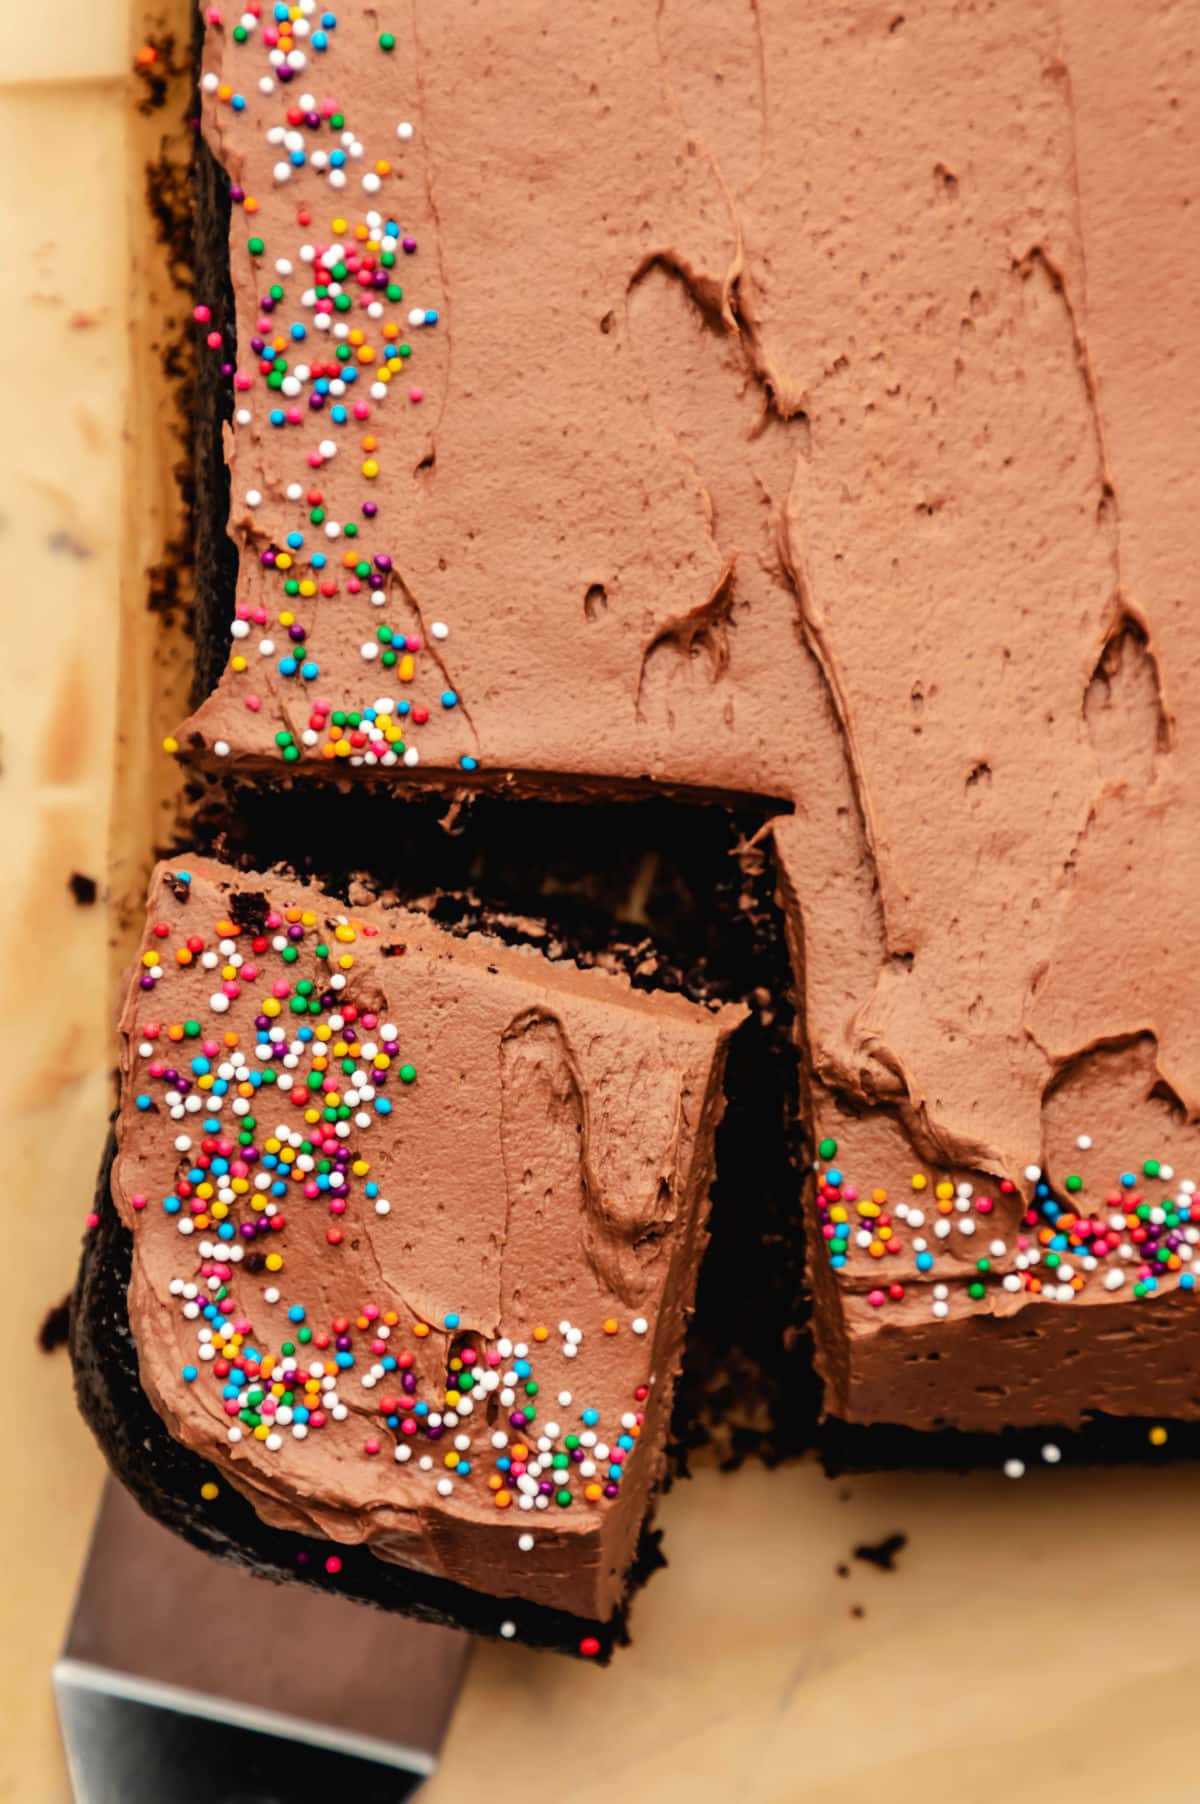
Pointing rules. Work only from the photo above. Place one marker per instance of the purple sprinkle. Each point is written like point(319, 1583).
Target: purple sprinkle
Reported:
point(409, 244)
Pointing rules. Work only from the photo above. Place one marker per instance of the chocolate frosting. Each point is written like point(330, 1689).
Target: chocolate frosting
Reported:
point(488, 1204)
point(808, 415)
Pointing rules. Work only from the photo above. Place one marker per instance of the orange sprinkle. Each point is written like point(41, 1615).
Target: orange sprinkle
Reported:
point(610, 1327)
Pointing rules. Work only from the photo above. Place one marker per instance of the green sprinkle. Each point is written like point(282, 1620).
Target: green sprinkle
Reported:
point(827, 1149)
point(1074, 1182)
point(256, 247)
point(1151, 1168)
point(408, 1074)
point(387, 40)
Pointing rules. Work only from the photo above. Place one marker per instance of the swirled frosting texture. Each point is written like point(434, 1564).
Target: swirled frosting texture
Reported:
point(416, 1227)
point(816, 421)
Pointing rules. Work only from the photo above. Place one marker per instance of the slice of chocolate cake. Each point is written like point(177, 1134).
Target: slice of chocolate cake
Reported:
point(416, 1220)
point(801, 434)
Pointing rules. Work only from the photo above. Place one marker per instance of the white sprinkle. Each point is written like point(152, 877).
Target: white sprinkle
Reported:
point(439, 630)
point(253, 498)
point(270, 1294)
point(218, 1003)
point(525, 1543)
point(1115, 1279)
point(1084, 1142)
point(508, 1630)
point(1033, 1173)
point(403, 1453)
point(1014, 1468)
point(221, 748)
point(404, 130)
point(1051, 1454)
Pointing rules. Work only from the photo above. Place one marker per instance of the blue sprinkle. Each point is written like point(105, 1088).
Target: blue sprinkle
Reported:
point(288, 667)
point(190, 1374)
point(504, 1464)
point(345, 1360)
point(309, 670)
point(337, 158)
point(319, 40)
point(1187, 1280)
point(449, 699)
point(522, 1368)
point(463, 1467)
point(451, 1321)
point(382, 1106)
point(172, 1205)
point(145, 1102)
point(371, 1188)
point(238, 103)
point(388, 1362)
point(299, 330)
point(182, 876)
point(924, 1262)
point(591, 1417)
point(404, 707)
point(299, 1413)
point(319, 560)
point(420, 1409)
point(295, 540)
point(1128, 1179)
point(282, 11)
point(297, 159)
point(296, 1312)
point(225, 1231)
point(329, 21)
point(338, 415)
point(469, 763)
point(277, 417)
point(833, 1177)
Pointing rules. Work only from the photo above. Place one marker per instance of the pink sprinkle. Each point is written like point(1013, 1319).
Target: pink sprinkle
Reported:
point(139, 1201)
point(416, 394)
point(202, 314)
point(875, 1298)
point(213, 341)
point(254, 703)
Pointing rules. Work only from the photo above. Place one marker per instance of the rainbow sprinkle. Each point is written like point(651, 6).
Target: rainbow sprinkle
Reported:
point(330, 353)
point(1136, 1238)
point(279, 1120)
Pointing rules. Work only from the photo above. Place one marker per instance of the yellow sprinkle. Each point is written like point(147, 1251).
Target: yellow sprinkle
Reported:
point(1157, 1437)
point(919, 1180)
point(209, 1491)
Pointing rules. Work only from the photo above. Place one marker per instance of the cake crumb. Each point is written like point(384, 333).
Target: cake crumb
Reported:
point(882, 1553)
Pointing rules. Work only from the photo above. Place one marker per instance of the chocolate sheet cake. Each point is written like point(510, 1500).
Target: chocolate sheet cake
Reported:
point(401, 1272)
point(757, 406)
